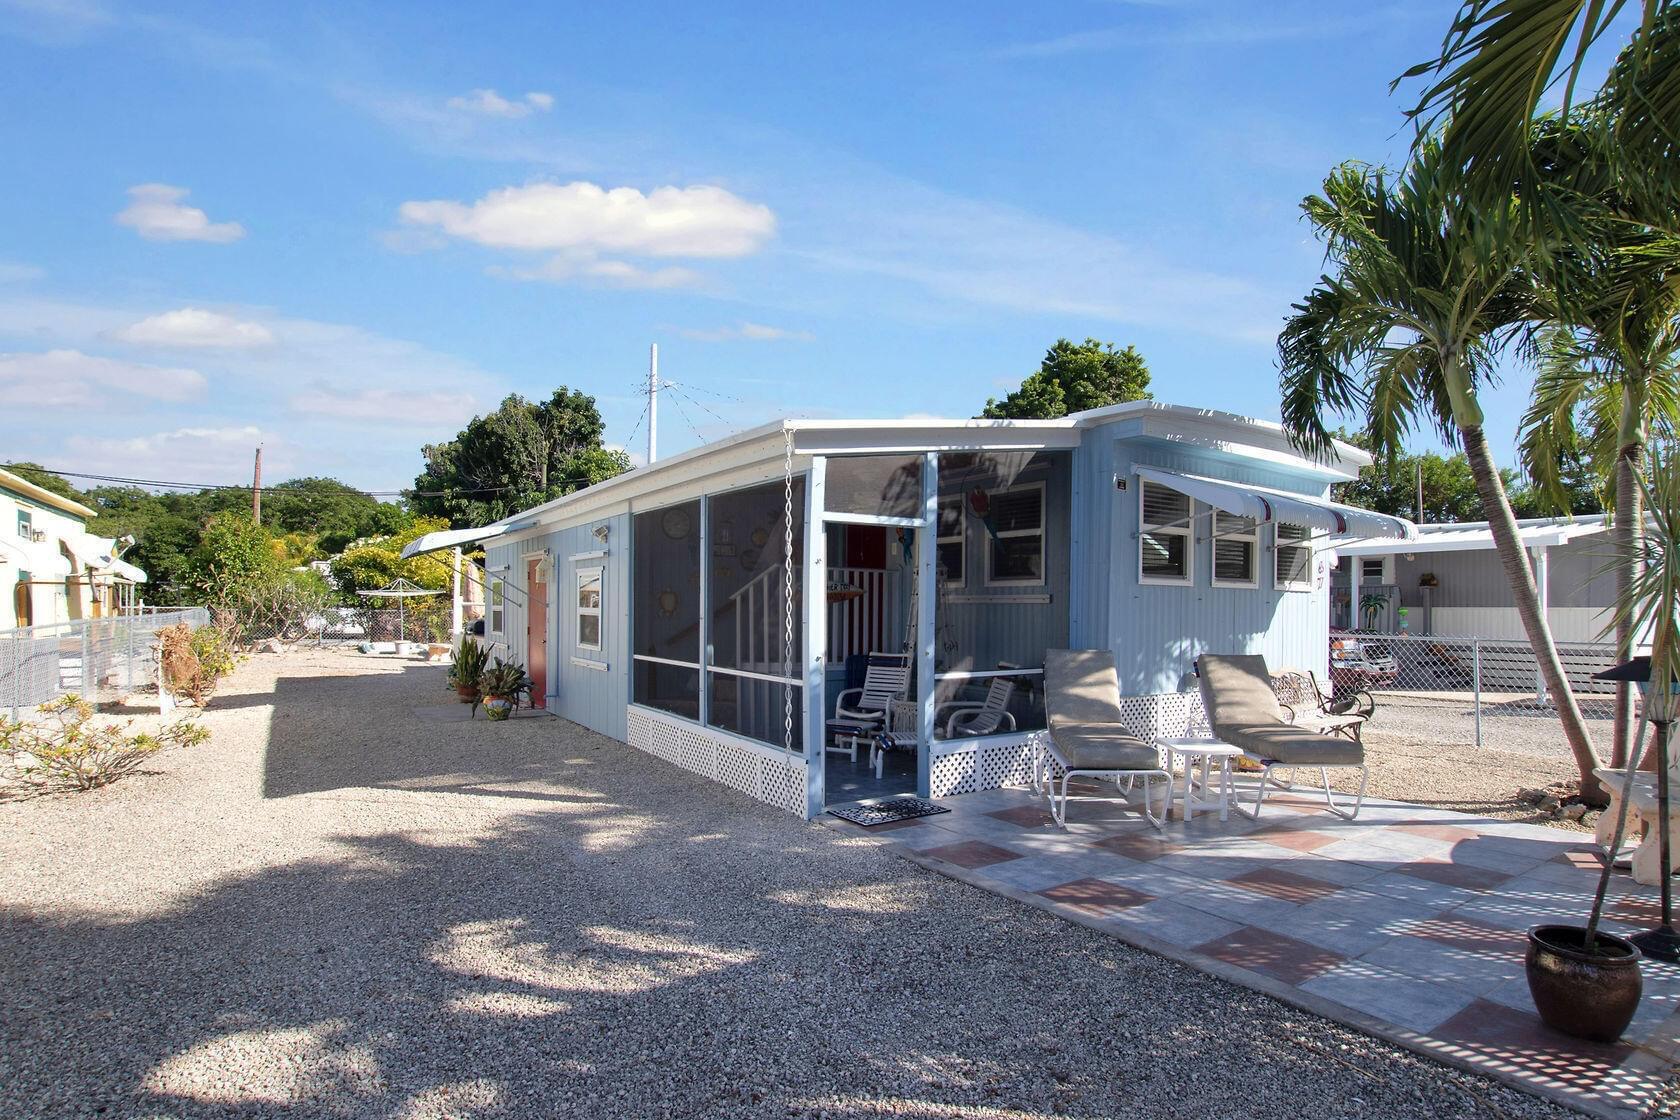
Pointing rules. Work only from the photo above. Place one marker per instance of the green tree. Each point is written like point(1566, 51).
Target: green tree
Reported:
point(1390, 485)
point(333, 513)
point(233, 554)
point(377, 561)
point(46, 480)
point(1074, 378)
point(1421, 289)
point(519, 456)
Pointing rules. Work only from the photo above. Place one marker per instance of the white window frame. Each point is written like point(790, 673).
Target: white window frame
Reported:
point(1279, 545)
point(1185, 530)
point(1387, 563)
point(495, 604)
point(1041, 533)
point(960, 539)
point(1250, 538)
point(25, 524)
point(579, 611)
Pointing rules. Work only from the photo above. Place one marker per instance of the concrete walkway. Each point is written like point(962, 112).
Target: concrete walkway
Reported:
point(1407, 922)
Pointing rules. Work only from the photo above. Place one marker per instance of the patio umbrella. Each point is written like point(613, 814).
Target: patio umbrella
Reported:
point(401, 590)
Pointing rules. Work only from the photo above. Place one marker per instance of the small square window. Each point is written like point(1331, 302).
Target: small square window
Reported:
point(1293, 557)
point(1236, 549)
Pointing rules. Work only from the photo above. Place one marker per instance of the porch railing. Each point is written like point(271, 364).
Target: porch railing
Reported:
point(872, 622)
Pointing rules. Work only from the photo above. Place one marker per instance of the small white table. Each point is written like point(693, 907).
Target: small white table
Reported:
point(1209, 753)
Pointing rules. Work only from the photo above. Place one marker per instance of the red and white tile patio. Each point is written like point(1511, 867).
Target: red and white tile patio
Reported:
point(1408, 922)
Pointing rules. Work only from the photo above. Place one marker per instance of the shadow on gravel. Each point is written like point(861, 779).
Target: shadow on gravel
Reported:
point(367, 731)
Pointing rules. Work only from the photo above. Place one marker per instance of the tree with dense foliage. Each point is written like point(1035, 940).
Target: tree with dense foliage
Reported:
point(1390, 485)
point(1422, 289)
point(521, 455)
point(376, 562)
point(1074, 378)
point(46, 480)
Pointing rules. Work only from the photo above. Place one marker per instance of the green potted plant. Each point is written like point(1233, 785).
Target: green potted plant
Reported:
point(504, 683)
point(1584, 981)
point(466, 670)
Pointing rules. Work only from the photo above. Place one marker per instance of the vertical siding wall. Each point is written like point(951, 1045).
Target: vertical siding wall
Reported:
point(1156, 631)
point(595, 698)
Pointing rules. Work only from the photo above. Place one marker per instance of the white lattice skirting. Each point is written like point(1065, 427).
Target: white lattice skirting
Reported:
point(769, 777)
point(982, 764)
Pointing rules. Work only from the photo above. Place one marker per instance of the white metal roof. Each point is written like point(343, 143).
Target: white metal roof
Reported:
point(1469, 536)
point(1227, 431)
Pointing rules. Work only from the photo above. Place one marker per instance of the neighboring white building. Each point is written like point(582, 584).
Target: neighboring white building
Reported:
point(1448, 581)
point(56, 571)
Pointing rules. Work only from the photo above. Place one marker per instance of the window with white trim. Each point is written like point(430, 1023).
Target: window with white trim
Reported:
point(952, 554)
point(1292, 559)
point(589, 582)
point(1164, 534)
point(1236, 551)
point(1015, 525)
point(1373, 570)
point(493, 603)
point(26, 525)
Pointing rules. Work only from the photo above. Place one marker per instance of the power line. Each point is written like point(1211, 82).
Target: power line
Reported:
point(683, 412)
point(683, 392)
point(123, 480)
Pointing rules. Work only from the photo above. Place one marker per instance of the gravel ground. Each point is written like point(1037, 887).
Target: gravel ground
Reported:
point(344, 905)
point(1468, 779)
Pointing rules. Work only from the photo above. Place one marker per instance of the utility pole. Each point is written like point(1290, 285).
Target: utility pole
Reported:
point(653, 401)
point(256, 490)
point(1420, 489)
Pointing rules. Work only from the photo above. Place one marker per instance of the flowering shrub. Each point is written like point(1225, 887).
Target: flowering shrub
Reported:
point(66, 750)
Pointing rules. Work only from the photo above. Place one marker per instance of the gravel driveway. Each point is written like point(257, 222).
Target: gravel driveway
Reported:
point(346, 905)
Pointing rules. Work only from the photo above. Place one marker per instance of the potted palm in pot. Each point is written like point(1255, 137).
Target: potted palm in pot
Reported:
point(1584, 981)
point(466, 670)
point(504, 683)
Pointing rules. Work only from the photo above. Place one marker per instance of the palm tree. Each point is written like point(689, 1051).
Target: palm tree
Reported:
point(1604, 390)
point(1501, 59)
point(1423, 291)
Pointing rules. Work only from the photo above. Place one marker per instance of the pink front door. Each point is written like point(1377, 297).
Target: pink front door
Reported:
point(536, 632)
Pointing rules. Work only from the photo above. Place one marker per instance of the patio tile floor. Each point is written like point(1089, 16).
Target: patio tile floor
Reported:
point(1408, 921)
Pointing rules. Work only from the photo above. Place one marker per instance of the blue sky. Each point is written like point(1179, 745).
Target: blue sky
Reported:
point(340, 230)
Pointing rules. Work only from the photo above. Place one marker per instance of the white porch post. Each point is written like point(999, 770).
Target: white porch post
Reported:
point(456, 614)
point(705, 613)
point(927, 591)
point(814, 625)
point(1543, 584)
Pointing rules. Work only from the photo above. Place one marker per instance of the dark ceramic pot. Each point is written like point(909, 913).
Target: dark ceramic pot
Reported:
point(1588, 995)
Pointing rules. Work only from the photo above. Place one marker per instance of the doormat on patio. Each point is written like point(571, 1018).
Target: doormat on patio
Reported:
point(869, 813)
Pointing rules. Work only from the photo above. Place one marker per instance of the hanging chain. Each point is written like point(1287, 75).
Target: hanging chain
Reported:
point(787, 589)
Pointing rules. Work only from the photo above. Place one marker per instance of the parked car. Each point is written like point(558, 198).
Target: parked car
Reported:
point(1356, 665)
point(336, 622)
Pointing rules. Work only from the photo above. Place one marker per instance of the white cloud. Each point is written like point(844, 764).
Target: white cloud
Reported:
point(12, 272)
point(157, 213)
point(746, 332)
point(583, 266)
point(72, 379)
point(387, 406)
point(215, 456)
point(696, 221)
point(489, 103)
point(196, 327)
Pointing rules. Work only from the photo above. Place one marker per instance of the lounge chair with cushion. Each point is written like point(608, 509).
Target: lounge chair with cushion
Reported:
point(1242, 710)
point(1085, 737)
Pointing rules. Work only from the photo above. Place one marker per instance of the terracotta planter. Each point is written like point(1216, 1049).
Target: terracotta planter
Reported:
point(466, 694)
point(1587, 995)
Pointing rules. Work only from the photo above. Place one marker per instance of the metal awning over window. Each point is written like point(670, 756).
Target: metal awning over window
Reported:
point(1264, 504)
point(450, 538)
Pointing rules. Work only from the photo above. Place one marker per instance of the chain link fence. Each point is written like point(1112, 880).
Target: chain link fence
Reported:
point(101, 659)
point(1485, 691)
point(337, 626)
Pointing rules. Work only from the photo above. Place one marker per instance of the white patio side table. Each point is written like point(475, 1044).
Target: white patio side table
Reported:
point(1209, 753)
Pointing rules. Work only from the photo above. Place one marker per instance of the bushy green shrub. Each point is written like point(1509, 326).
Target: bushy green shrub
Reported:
point(65, 750)
point(214, 650)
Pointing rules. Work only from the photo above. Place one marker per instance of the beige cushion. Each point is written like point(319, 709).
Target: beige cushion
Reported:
point(1080, 686)
point(1102, 746)
point(1243, 711)
point(1237, 691)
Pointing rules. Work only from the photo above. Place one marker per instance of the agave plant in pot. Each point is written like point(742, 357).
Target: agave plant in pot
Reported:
point(466, 671)
point(504, 684)
point(1586, 982)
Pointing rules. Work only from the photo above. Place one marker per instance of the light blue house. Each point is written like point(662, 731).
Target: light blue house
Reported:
point(667, 608)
